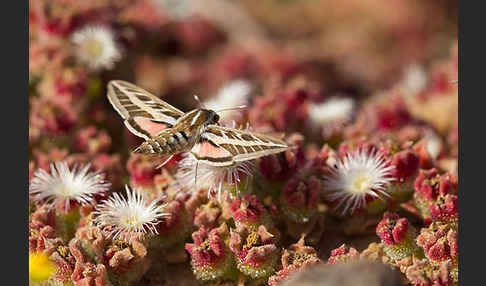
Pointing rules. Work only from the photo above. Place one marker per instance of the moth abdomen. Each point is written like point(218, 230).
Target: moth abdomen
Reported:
point(149, 147)
point(165, 143)
point(144, 148)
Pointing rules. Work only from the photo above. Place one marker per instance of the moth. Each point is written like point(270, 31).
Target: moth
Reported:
point(168, 131)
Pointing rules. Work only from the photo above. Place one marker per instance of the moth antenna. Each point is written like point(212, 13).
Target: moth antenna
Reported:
point(303, 235)
point(232, 108)
point(199, 101)
point(165, 162)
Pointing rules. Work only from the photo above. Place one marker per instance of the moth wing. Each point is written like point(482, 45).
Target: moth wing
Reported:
point(207, 152)
point(145, 114)
point(223, 146)
point(144, 127)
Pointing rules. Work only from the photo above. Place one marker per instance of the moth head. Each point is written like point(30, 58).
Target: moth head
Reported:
point(211, 116)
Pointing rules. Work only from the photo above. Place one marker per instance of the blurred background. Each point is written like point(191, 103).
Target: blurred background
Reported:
point(177, 48)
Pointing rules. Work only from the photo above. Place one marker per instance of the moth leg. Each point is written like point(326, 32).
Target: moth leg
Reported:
point(195, 177)
point(165, 162)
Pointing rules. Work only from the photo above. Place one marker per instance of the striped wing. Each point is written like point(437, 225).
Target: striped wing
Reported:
point(145, 114)
point(222, 146)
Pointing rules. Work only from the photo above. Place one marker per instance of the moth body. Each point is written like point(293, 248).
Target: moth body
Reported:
point(182, 136)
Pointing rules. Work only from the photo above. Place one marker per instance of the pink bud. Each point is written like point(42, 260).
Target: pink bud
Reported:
point(343, 254)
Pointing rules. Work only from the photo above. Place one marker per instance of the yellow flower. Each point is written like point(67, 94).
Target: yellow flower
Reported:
point(40, 267)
